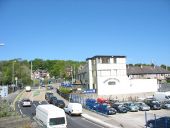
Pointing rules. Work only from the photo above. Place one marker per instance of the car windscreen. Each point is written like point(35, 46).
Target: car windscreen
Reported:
point(26, 100)
point(60, 101)
point(57, 121)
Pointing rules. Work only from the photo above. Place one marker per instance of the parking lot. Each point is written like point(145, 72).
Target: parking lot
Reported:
point(136, 119)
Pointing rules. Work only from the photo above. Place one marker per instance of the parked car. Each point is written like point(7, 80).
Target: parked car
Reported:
point(130, 106)
point(51, 100)
point(119, 107)
point(142, 106)
point(73, 109)
point(90, 103)
point(166, 105)
point(58, 103)
point(48, 95)
point(106, 109)
point(26, 103)
point(153, 103)
point(102, 100)
point(163, 122)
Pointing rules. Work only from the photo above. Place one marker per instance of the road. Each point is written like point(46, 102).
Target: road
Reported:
point(128, 120)
point(72, 121)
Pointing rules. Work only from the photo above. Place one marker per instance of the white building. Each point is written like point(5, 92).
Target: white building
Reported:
point(108, 75)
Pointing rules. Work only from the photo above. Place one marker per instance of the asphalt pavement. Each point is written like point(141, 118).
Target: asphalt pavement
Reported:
point(100, 119)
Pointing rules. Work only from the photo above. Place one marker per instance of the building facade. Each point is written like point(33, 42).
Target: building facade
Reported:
point(108, 75)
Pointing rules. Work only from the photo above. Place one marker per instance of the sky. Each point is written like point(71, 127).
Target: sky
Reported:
point(80, 29)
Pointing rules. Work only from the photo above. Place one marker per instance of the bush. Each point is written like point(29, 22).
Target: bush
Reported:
point(5, 109)
point(65, 90)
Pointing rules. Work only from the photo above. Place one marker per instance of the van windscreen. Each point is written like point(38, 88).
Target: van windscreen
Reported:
point(57, 121)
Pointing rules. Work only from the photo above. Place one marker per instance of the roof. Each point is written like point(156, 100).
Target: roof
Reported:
point(102, 56)
point(51, 109)
point(139, 70)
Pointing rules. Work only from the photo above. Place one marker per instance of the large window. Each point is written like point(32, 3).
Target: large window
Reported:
point(114, 60)
point(57, 121)
point(105, 60)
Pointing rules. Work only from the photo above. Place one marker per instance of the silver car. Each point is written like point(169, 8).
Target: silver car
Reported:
point(142, 106)
point(26, 103)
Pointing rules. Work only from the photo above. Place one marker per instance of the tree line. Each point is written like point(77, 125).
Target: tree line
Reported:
point(21, 69)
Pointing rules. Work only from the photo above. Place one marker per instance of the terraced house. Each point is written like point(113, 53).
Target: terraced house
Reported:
point(109, 75)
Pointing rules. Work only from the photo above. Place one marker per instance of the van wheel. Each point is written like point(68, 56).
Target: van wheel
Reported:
point(69, 113)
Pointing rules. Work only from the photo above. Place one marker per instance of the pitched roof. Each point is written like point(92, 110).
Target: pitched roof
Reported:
point(139, 70)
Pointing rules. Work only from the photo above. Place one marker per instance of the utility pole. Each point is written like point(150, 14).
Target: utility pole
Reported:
point(13, 62)
point(31, 71)
point(71, 74)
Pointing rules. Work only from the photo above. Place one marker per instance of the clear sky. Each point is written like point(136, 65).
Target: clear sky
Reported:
point(79, 29)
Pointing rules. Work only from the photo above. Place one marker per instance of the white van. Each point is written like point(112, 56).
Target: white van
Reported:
point(51, 116)
point(162, 96)
point(73, 109)
point(28, 88)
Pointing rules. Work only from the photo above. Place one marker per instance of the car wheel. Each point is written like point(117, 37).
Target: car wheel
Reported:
point(150, 125)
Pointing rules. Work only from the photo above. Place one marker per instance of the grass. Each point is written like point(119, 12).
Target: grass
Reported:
point(36, 93)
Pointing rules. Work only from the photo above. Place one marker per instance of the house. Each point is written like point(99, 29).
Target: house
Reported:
point(39, 74)
point(109, 76)
point(147, 72)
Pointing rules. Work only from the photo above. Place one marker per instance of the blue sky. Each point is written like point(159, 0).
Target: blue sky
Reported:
point(79, 29)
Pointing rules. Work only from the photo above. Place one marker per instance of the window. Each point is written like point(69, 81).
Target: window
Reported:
point(105, 60)
point(57, 121)
point(111, 83)
point(114, 60)
point(94, 62)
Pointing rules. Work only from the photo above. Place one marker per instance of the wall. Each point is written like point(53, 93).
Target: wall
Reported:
point(125, 86)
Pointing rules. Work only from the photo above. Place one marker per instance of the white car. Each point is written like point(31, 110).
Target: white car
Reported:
point(26, 102)
point(73, 109)
point(28, 88)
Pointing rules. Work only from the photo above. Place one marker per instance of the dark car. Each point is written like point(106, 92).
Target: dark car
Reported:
point(153, 103)
point(58, 103)
point(163, 122)
point(119, 107)
point(106, 109)
point(48, 95)
point(52, 99)
point(49, 87)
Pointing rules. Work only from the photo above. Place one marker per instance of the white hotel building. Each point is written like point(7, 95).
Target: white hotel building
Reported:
point(108, 75)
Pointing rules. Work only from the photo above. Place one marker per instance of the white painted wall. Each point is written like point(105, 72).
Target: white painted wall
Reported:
point(126, 86)
point(100, 74)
